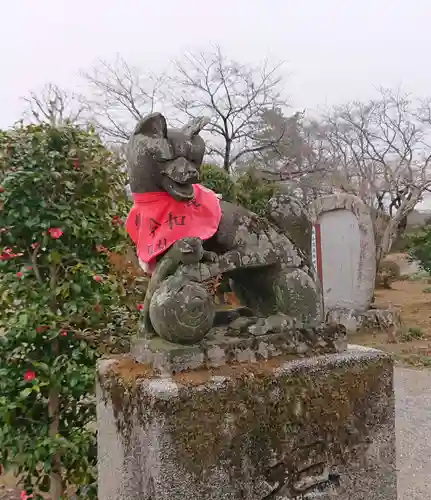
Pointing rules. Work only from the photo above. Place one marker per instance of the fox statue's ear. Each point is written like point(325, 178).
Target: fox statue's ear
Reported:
point(153, 125)
point(195, 126)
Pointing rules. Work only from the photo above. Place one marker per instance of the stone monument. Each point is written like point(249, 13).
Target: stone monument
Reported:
point(346, 263)
point(258, 402)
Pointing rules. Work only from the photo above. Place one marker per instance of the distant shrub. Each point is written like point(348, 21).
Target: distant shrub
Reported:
point(413, 333)
point(419, 248)
point(388, 272)
point(248, 190)
point(218, 180)
point(254, 193)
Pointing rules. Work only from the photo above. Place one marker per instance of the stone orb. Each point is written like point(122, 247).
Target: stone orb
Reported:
point(182, 311)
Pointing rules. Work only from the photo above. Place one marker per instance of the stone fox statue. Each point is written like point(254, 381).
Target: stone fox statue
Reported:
point(185, 235)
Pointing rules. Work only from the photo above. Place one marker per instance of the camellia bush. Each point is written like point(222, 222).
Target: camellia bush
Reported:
point(61, 212)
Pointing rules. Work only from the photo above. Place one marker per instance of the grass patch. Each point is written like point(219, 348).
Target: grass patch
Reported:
point(416, 360)
point(413, 333)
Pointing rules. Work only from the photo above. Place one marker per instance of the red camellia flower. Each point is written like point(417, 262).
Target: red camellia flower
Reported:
point(76, 163)
point(29, 376)
point(23, 495)
point(1, 189)
point(63, 333)
point(29, 268)
point(41, 329)
point(8, 254)
point(19, 275)
point(97, 278)
point(139, 307)
point(101, 249)
point(116, 221)
point(55, 232)
point(35, 245)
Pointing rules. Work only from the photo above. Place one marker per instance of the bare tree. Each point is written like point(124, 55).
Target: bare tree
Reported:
point(381, 151)
point(296, 156)
point(53, 105)
point(232, 95)
point(119, 95)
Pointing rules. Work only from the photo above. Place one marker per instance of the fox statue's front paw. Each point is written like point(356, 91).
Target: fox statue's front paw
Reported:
point(210, 257)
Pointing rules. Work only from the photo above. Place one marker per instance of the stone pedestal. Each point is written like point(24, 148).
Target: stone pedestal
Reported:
point(280, 429)
point(223, 347)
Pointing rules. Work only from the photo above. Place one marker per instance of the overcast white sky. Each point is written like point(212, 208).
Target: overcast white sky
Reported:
point(334, 50)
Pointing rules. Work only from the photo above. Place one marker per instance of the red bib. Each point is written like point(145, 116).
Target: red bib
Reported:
point(156, 221)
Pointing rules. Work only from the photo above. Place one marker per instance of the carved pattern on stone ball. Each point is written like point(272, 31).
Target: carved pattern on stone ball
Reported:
point(182, 311)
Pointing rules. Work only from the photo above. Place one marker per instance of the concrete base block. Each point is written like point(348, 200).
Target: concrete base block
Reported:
point(320, 427)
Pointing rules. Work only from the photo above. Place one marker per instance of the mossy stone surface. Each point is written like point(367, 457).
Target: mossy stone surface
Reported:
point(265, 423)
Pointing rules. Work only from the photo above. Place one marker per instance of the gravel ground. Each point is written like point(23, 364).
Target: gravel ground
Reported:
point(413, 410)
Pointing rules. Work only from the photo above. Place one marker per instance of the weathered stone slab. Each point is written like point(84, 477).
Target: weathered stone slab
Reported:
point(320, 427)
point(242, 342)
point(376, 319)
point(348, 252)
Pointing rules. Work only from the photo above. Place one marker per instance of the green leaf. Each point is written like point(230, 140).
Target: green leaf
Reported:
point(55, 257)
point(26, 392)
point(23, 319)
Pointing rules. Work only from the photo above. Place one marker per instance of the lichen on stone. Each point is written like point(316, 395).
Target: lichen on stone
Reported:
point(261, 413)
